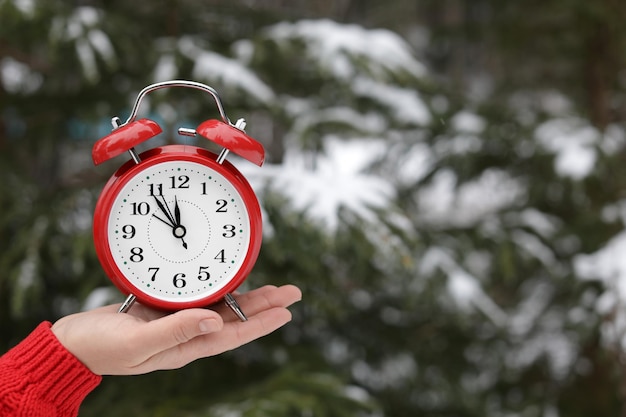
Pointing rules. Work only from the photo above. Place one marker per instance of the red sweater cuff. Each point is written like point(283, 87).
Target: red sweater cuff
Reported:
point(39, 373)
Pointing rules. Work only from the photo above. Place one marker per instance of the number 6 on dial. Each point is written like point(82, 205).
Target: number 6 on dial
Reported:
point(178, 226)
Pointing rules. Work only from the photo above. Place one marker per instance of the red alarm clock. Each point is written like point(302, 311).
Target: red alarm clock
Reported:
point(178, 226)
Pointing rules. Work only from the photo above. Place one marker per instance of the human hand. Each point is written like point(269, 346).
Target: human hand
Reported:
point(145, 340)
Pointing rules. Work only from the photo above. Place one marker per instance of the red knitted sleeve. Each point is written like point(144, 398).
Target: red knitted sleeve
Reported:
point(39, 377)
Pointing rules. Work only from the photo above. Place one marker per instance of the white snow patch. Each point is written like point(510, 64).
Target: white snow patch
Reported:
point(166, 68)
point(467, 292)
point(334, 45)
point(469, 122)
point(560, 352)
point(543, 224)
point(533, 246)
point(572, 140)
point(338, 179)
point(213, 67)
point(406, 105)
point(102, 44)
point(467, 139)
point(464, 288)
point(17, 77)
point(413, 164)
point(530, 309)
point(613, 140)
point(26, 7)
point(373, 123)
point(80, 28)
point(87, 59)
point(394, 371)
point(608, 265)
point(444, 203)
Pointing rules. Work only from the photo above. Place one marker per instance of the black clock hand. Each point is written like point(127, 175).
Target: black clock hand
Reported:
point(164, 221)
point(165, 210)
point(176, 212)
point(178, 230)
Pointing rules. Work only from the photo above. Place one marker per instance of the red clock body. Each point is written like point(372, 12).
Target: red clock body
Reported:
point(177, 229)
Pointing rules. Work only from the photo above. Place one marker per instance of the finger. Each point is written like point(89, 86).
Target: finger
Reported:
point(261, 299)
point(173, 330)
point(232, 336)
point(237, 333)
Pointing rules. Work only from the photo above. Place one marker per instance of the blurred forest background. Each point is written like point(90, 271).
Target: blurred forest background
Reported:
point(445, 181)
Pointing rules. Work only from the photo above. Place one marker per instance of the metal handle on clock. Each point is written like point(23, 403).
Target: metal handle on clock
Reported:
point(177, 83)
point(125, 136)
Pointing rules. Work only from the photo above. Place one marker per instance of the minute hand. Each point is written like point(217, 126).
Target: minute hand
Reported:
point(165, 210)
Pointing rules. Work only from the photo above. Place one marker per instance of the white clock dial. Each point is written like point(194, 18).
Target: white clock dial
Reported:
point(178, 231)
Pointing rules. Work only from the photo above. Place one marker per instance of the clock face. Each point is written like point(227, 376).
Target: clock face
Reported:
point(180, 231)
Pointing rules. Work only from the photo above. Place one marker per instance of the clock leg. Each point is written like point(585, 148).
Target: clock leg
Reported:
point(128, 303)
point(234, 305)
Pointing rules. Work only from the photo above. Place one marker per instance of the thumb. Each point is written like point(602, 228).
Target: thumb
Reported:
point(178, 328)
